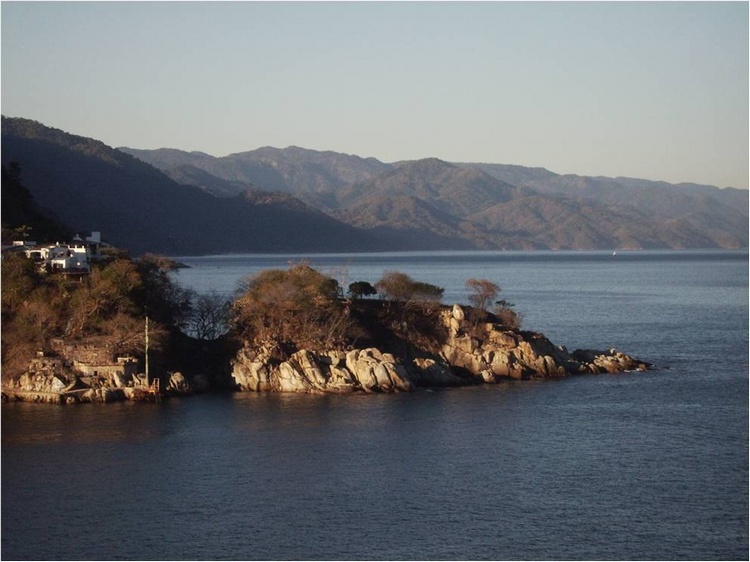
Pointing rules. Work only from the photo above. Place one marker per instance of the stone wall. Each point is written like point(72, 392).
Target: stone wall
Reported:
point(125, 366)
point(92, 354)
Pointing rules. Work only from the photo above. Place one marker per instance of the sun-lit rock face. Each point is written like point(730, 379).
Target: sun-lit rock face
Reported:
point(492, 352)
point(472, 353)
point(366, 370)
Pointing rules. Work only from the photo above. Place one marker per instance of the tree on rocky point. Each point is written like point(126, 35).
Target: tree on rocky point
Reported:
point(360, 289)
point(482, 292)
point(299, 306)
point(398, 286)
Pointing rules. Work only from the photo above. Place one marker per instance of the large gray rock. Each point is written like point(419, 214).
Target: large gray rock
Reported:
point(252, 368)
point(39, 382)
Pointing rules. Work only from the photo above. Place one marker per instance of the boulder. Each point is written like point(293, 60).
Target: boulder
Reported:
point(431, 372)
point(375, 371)
point(178, 384)
point(251, 370)
point(458, 313)
point(57, 384)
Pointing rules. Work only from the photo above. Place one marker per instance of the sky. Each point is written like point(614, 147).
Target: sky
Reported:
point(653, 90)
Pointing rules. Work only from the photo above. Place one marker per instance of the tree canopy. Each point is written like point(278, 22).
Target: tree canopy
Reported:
point(398, 286)
point(360, 289)
point(107, 306)
point(298, 305)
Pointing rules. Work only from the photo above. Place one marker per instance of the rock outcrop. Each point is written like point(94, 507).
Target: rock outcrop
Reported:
point(491, 352)
point(366, 370)
point(63, 380)
point(473, 353)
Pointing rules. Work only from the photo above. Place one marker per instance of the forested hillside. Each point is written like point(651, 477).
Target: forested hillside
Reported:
point(298, 200)
point(22, 218)
point(432, 204)
point(90, 186)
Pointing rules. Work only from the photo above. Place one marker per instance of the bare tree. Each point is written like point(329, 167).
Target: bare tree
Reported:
point(482, 292)
point(209, 316)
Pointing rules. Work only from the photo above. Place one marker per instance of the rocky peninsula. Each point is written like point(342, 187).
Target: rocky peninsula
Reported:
point(485, 353)
point(471, 354)
point(289, 331)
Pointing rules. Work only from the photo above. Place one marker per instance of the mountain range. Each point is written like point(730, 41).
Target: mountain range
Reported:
point(299, 200)
point(87, 185)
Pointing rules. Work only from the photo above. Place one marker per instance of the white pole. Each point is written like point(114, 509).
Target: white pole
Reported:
point(148, 381)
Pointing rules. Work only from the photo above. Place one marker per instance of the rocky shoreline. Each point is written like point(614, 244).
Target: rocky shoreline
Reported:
point(51, 387)
point(472, 353)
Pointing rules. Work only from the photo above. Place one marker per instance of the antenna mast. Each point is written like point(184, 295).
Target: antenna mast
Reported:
point(148, 380)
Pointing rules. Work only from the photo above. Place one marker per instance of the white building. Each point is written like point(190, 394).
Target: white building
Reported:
point(75, 257)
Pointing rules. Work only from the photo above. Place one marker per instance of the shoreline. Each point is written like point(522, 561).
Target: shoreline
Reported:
point(468, 354)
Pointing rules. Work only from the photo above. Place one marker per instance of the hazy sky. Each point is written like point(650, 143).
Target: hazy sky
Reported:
point(640, 89)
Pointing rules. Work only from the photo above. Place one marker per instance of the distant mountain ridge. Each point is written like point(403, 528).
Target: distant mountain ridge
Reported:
point(634, 192)
point(90, 186)
point(292, 170)
point(300, 200)
point(494, 206)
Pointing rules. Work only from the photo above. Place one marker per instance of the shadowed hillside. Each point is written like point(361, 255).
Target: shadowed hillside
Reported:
point(21, 216)
point(91, 186)
point(299, 200)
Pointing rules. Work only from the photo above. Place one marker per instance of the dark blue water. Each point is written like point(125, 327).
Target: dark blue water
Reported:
point(630, 466)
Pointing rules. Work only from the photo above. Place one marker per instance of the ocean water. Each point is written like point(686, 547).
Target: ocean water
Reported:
point(629, 466)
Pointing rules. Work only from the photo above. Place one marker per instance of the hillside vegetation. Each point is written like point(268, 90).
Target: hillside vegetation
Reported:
point(284, 310)
point(301, 308)
point(22, 219)
point(106, 308)
point(90, 186)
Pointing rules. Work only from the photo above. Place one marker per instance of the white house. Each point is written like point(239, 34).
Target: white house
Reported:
point(75, 257)
point(70, 263)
